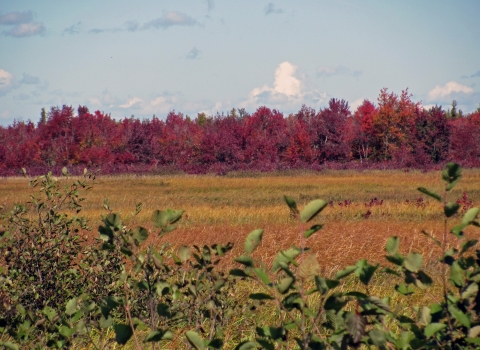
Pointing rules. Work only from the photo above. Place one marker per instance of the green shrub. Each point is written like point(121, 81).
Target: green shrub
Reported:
point(57, 292)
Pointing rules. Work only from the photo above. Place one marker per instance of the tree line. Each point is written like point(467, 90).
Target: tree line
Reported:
point(394, 132)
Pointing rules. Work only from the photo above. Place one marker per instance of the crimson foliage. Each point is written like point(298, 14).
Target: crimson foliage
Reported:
point(396, 133)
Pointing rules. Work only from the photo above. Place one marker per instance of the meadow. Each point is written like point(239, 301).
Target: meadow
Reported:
point(365, 208)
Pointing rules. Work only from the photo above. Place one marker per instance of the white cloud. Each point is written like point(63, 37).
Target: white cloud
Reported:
point(328, 71)
point(14, 18)
point(7, 82)
point(288, 91)
point(194, 54)
point(26, 29)
point(172, 18)
point(272, 9)
point(354, 105)
point(440, 92)
point(134, 101)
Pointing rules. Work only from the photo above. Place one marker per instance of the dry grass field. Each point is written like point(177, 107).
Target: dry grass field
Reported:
point(365, 209)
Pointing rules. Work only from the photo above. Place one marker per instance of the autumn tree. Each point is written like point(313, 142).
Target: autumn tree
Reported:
point(392, 123)
point(430, 141)
point(329, 128)
point(359, 131)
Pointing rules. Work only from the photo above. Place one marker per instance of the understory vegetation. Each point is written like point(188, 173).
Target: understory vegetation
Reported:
point(140, 285)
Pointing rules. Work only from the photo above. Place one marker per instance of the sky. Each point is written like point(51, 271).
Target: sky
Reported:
point(149, 57)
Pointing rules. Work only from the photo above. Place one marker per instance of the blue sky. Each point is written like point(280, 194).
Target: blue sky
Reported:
point(149, 57)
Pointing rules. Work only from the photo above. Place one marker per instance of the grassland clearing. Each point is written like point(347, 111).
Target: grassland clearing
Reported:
point(365, 209)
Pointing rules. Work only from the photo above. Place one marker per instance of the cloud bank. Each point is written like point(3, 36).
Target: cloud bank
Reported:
point(441, 92)
point(7, 82)
point(288, 91)
point(23, 25)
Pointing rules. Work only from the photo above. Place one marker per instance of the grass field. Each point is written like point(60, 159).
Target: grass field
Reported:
point(365, 209)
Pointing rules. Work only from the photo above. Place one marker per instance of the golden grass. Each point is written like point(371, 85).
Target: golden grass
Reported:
point(225, 209)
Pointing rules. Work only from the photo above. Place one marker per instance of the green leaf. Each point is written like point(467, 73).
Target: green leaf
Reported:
point(49, 312)
point(451, 209)
point(285, 284)
point(246, 345)
point(462, 318)
point(431, 194)
point(291, 204)
point(396, 259)
point(365, 271)
point(9, 345)
point(381, 304)
point(238, 273)
point(71, 306)
point(413, 262)
point(312, 230)
point(392, 246)
point(184, 253)
point(64, 171)
point(470, 215)
point(475, 341)
point(123, 333)
point(458, 230)
point(195, 340)
point(470, 291)
point(285, 256)
point(174, 215)
point(321, 284)
point(245, 260)
point(404, 289)
point(159, 218)
point(345, 272)
point(312, 209)
point(456, 274)
point(425, 316)
point(114, 220)
point(140, 235)
point(467, 245)
point(262, 275)
point(377, 337)
point(155, 336)
point(433, 328)
point(67, 332)
point(260, 296)
point(253, 240)
point(451, 174)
